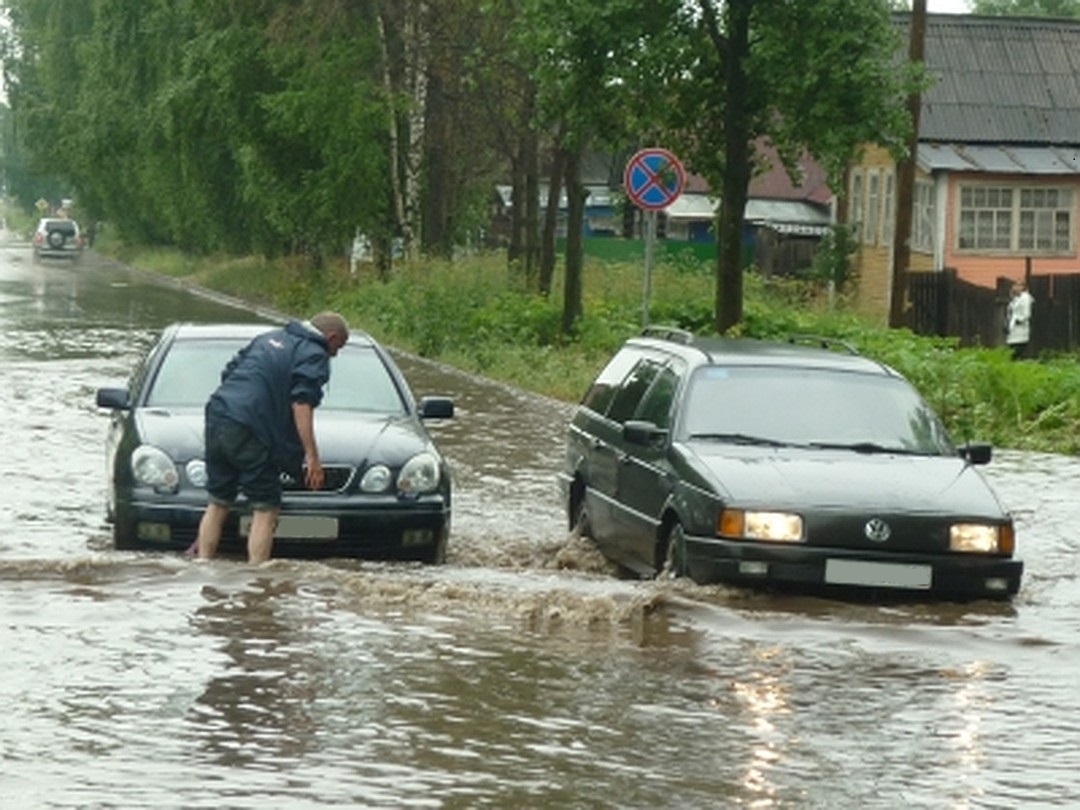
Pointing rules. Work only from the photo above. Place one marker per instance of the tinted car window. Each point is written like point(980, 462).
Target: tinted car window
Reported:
point(189, 373)
point(602, 391)
point(805, 407)
point(655, 406)
point(360, 381)
point(632, 390)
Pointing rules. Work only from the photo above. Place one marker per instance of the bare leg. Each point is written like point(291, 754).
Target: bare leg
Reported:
point(261, 536)
point(213, 520)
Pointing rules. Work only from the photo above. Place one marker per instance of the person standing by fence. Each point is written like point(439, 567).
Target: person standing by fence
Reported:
point(1018, 320)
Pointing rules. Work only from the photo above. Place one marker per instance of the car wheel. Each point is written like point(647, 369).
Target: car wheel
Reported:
point(55, 239)
point(579, 517)
point(124, 537)
point(674, 550)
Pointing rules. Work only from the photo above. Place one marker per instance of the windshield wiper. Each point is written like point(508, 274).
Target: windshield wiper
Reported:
point(740, 438)
point(864, 447)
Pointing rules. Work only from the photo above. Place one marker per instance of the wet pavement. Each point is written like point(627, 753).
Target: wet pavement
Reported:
point(524, 673)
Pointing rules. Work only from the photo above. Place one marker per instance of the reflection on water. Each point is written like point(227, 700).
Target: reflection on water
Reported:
point(522, 674)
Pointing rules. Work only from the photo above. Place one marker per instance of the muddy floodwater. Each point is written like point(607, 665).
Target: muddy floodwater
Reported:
point(522, 674)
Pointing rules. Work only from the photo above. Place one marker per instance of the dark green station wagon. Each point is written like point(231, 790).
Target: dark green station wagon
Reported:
point(798, 464)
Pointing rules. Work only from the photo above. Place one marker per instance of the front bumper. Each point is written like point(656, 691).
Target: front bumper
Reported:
point(944, 576)
point(381, 527)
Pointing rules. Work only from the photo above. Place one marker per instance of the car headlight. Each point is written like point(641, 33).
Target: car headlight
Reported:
point(419, 475)
point(376, 479)
point(196, 472)
point(981, 538)
point(152, 467)
point(777, 527)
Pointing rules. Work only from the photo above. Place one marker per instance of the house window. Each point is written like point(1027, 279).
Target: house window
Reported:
point(1045, 220)
point(888, 217)
point(1015, 219)
point(855, 205)
point(873, 207)
point(922, 221)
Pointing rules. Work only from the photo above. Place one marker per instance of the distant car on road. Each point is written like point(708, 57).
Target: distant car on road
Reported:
point(387, 490)
point(773, 464)
point(57, 238)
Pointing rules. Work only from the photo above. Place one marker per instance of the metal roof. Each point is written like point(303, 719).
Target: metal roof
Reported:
point(1000, 80)
point(783, 216)
point(1047, 160)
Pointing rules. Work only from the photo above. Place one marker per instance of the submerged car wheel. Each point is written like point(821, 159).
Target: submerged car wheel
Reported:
point(674, 551)
point(124, 537)
point(579, 517)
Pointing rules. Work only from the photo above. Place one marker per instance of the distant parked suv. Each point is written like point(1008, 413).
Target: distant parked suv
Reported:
point(57, 238)
point(767, 464)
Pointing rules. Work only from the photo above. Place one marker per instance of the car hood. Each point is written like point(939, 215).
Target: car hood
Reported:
point(823, 479)
point(344, 437)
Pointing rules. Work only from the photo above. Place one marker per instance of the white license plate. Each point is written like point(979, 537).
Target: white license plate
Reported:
point(877, 574)
point(298, 527)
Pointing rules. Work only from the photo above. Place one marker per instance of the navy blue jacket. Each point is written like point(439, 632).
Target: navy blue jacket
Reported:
point(261, 383)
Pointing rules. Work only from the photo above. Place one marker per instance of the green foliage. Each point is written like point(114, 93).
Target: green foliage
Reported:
point(475, 315)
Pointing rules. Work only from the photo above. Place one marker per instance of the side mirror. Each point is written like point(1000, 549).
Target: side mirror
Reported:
point(644, 433)
point(976, 453)
point(116, 399)
point(436, 408)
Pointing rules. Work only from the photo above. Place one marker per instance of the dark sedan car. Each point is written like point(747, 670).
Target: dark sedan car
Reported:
point(781, 464)
point(387, 489)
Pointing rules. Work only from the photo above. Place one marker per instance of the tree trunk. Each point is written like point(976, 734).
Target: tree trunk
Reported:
point(417, 46)
point(532, 212)
point(737, 169)
point(551, 220)
point(905, 182)
point(575, 245)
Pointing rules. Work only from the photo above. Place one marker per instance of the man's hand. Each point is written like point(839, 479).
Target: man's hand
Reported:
point(303, 414)
point(313, 472)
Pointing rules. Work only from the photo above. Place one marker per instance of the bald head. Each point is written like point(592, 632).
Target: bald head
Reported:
point(334, 329)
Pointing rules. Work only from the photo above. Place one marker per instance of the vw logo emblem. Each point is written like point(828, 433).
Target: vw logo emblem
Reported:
point(877, 530)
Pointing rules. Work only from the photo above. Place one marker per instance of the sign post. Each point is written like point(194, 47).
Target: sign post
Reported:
point(653, 180)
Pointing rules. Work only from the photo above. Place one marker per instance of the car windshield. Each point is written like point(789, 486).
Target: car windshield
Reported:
point(816, 408)
point(359, 380)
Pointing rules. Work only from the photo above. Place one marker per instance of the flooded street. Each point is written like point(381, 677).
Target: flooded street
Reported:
point(522, 674)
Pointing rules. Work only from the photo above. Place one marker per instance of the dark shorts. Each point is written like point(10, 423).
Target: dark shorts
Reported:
point(238, 461)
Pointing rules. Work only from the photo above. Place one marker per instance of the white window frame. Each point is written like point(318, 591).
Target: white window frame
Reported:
point(1015, 218)
point(888, 213)
point(873, 207)
point(924, 216)
point(855, 205)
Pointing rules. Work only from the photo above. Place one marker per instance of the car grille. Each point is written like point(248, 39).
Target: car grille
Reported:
point(335, 479)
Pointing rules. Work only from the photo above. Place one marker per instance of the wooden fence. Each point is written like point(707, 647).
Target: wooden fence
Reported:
point(944, 305)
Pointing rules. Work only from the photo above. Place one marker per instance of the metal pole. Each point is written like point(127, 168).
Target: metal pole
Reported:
point(650, 240)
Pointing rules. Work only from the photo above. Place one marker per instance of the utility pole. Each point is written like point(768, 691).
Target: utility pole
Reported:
point(905, 179)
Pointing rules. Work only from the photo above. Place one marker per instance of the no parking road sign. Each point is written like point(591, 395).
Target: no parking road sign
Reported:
point(653, 179)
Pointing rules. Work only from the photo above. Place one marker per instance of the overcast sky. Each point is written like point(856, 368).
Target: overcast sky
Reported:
point(948, 6)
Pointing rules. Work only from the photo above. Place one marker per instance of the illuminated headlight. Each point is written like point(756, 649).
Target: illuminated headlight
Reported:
point(981, 538)
point(776, 527)
point(376, 479)
point(153, 468)
point(419, 475)
point(196, 472)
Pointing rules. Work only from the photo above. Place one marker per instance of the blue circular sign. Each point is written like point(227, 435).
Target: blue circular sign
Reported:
point(654, 178)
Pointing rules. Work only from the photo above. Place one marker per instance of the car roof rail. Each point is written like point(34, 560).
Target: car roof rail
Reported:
point(824, 342)
point(672, 333)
